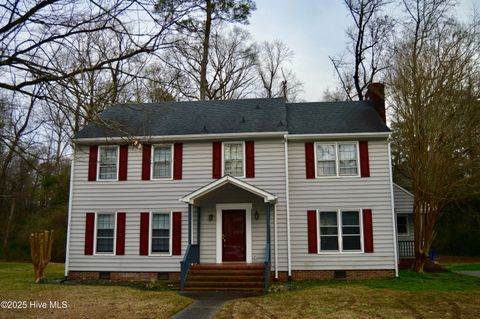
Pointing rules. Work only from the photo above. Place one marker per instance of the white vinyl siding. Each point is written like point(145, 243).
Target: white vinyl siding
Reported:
point(108, 163)
point(162, 195)
point(350, 193)
point(162, 161)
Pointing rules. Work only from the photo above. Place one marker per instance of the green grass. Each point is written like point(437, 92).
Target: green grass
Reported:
point(95, 300)
point(462, 266)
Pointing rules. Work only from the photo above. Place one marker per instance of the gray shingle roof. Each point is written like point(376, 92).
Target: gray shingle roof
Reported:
point(234, 116)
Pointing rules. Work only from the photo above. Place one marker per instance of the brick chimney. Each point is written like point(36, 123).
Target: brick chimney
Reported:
point(376, 95)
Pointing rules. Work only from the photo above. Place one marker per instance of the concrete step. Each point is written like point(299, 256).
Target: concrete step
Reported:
point(222, 277)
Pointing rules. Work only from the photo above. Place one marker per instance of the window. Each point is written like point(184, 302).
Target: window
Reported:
point(108, 163)
point(162, 161)
point(340, 231)
point(233, 159)
point(337, 159)
point(160, 233)
point(402, 224)
point(105, 233)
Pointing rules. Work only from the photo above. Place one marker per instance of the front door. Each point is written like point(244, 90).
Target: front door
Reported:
point(234, 235)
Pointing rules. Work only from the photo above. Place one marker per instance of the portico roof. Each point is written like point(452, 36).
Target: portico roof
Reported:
point(202, 191)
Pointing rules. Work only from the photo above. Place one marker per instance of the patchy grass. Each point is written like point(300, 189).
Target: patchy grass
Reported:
point(462, 266)
point(440, 295)
point(83, 301)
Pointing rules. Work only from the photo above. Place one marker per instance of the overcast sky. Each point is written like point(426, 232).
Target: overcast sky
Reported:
point(314, 29)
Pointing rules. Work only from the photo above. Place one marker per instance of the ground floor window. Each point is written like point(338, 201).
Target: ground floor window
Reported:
point(105, 233)
point(340, 231)
point(402, 224)
point(160, 233)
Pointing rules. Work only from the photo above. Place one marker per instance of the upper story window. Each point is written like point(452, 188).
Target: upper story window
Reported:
point(160, 240)
point(105, 233)
point(233, 159)
point(402, 224)
point(162, 161)
point(337, 159)
point(108, 163)
point(340, 231)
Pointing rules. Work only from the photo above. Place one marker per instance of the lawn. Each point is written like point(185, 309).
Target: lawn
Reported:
point(82, 301)
point(412, 295)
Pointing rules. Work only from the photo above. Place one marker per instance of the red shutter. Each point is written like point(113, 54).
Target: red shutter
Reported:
point(177, 160)
point(120, 234)
point(312, 231)
point(250, 159)
point(309, 160)
point(364, 161)
point(144, 233)
point(367, 231)
point(92, 163)
point(122, 171)
point(177, 233)
point(146, 154)
point(217, 160)
point(89, 229)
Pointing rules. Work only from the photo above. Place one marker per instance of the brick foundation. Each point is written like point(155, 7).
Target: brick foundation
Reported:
point(330, 274)
point(123, 276)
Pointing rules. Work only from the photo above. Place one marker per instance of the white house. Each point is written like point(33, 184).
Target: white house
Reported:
point(232, 194)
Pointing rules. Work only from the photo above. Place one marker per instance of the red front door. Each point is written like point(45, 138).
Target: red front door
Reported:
point(234, 235)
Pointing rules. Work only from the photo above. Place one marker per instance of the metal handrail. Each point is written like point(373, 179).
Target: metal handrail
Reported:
point(267, 267)
point(192, 256)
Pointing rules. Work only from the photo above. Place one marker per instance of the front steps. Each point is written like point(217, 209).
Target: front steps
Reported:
point(226, 277)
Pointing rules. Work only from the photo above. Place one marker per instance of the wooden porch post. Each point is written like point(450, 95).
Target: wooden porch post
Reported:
point(189, 224)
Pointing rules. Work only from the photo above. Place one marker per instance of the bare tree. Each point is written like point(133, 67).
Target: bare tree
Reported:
point(435, 96)
point(275, 75)
point(203, 15)
point(231, 70)
point(364, 61)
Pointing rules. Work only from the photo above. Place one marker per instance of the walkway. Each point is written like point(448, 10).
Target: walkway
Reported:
point(207, 303)
point(475, 273)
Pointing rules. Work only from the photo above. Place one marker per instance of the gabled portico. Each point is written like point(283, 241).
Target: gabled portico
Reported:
point(232, 222)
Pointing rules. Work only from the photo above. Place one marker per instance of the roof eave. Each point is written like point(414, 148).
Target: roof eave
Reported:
point(339, 135)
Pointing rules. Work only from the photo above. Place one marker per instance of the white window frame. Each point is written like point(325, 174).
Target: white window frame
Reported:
point(244, 157)
point(408, 230)
point(152, 152)
point(100, 147)
point(340, 232)
point(114, 253)
point(150, 228)
point(337, 161)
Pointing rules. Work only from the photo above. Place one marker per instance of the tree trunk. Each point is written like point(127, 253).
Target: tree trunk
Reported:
point(206, 45)
point(6, 235)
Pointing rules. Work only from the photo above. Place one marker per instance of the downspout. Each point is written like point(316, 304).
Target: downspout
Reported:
point(70, 201)
point(275, 239)
point(287, 199)
point(394, 222)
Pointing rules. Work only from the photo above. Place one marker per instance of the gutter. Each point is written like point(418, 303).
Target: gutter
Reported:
point(275, 239)
point(165, 138)
point(392, 201)
point(287, 195)
point(70, 201)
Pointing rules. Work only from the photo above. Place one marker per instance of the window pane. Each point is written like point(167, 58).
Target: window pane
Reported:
point(233, 159)
point(104, 245)
point(351, 243)
point(351, 230)
point(160, 245)
point(161, 221)
point(108, 163)
point(328, 218)
point(326, 160)
point(350, 218)
point(329, 243)
point(402, 226)
point(104, 232)
point(347, 159)
point(162, 161)
point(105, 221)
